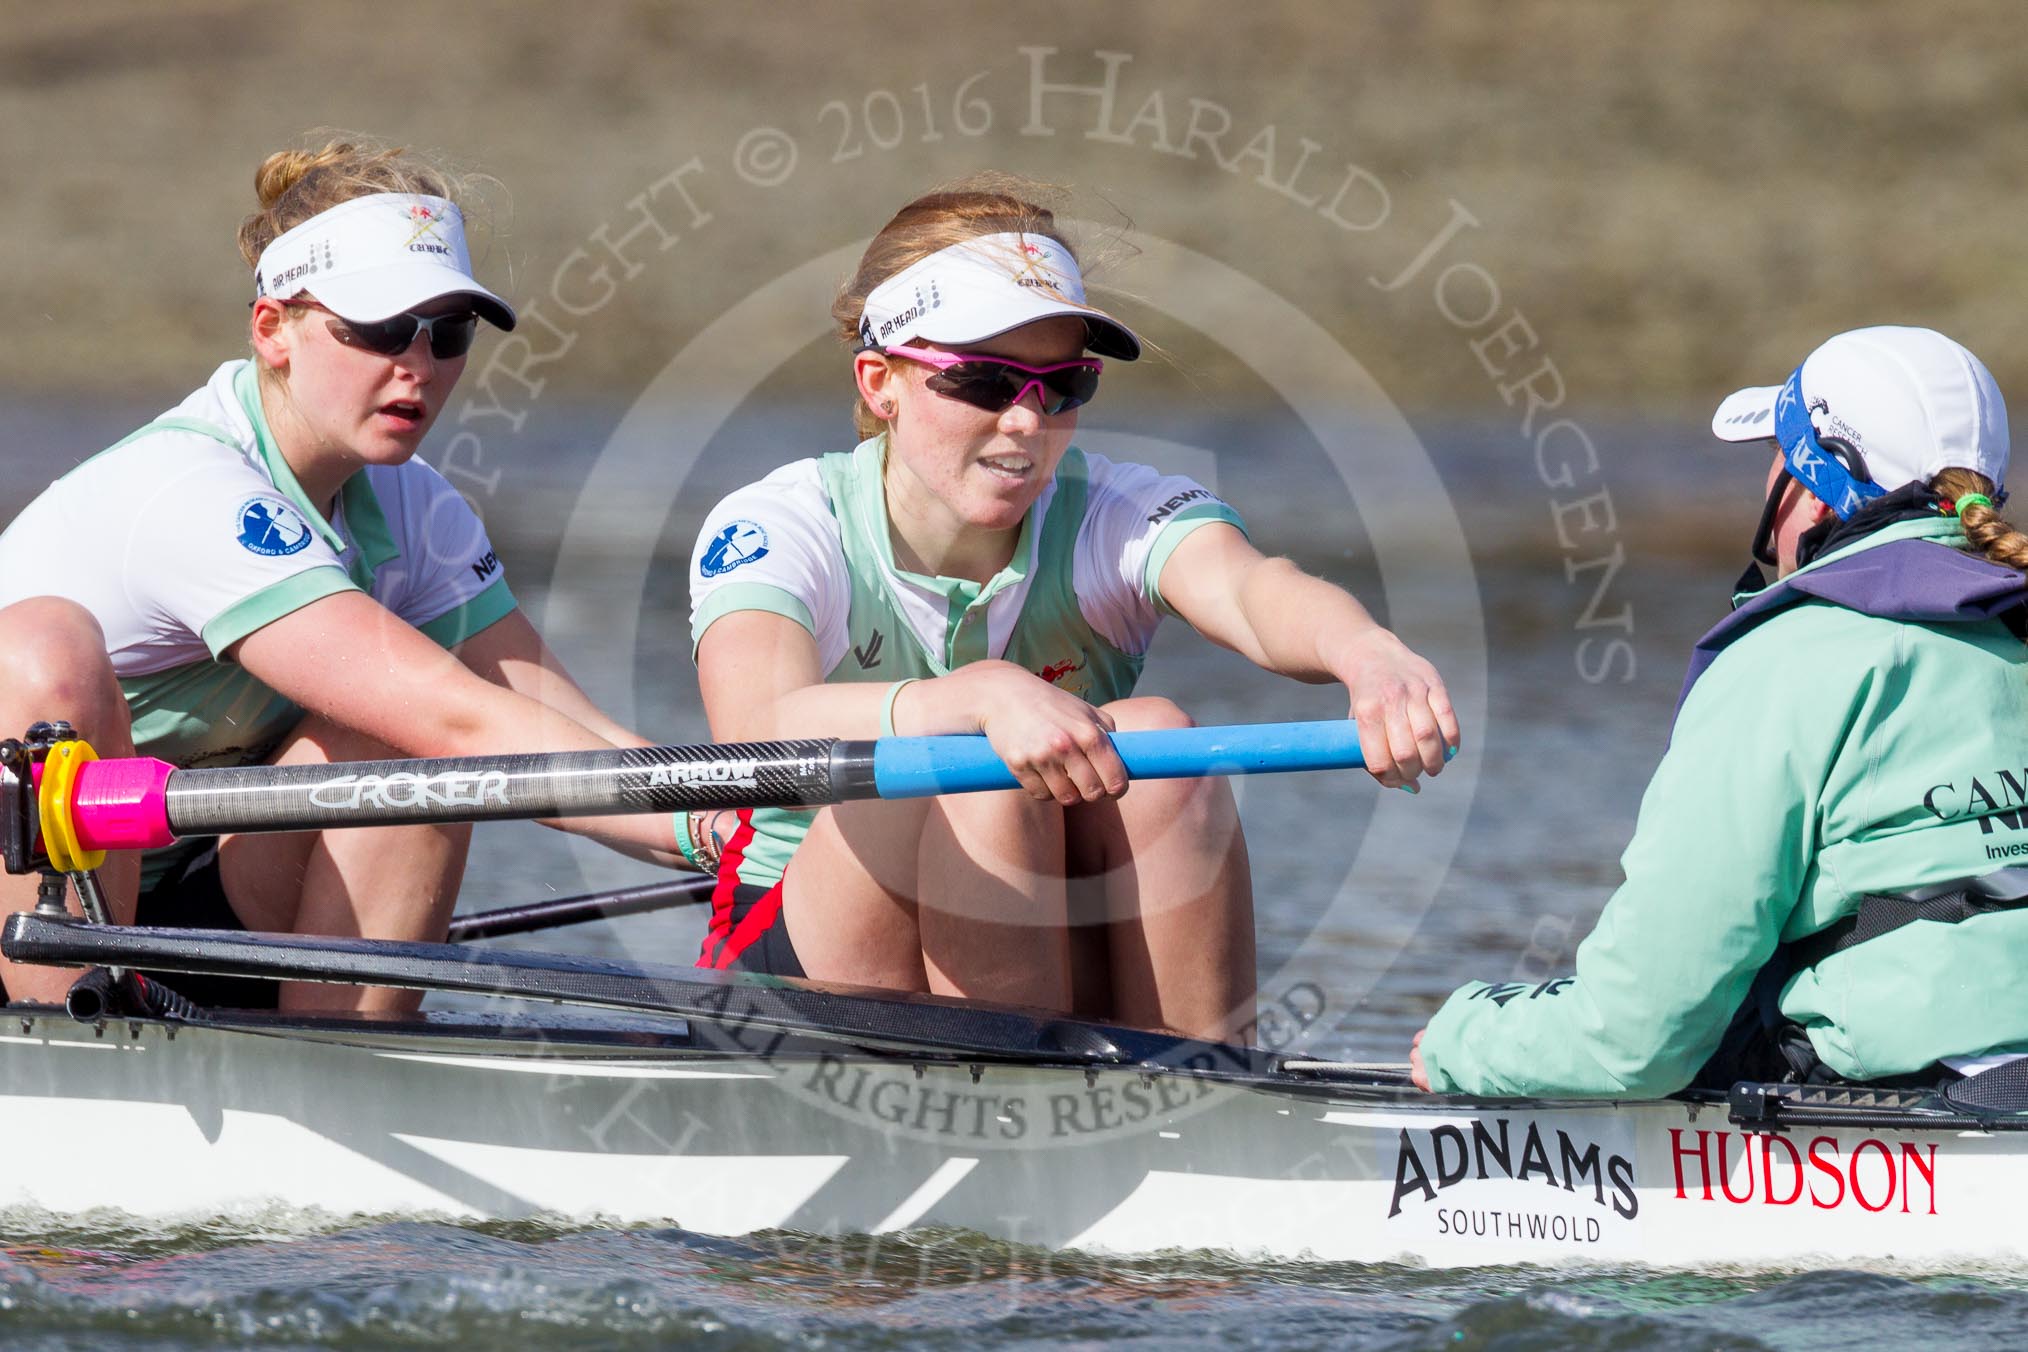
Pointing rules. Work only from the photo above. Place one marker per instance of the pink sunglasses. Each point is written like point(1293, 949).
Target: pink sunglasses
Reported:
point(997, 383)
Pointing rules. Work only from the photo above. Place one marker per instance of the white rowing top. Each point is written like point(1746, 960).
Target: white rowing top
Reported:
point(181, 544)
point(193, 533)
point(785, 533)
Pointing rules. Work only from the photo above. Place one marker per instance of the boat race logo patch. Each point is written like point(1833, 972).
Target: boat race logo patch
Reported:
point(741, 542)
point(267, 525)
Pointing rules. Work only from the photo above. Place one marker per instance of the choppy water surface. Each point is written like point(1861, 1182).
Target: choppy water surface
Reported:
point(279, 1282)
point(1560, 760)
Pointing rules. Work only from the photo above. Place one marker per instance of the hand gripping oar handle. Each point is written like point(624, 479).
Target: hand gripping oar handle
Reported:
point(144, 804)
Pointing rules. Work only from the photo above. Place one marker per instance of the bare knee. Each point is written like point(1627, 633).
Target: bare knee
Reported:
point(874, 838)
point(1011, 809)
point(53, 653)
point(1156, 810)
point(1148, 713)
point(1007, 830)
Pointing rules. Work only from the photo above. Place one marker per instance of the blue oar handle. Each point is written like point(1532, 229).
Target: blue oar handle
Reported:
point(921, 767)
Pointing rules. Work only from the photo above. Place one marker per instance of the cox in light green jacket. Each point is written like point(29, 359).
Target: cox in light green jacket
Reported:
point(1824, 754)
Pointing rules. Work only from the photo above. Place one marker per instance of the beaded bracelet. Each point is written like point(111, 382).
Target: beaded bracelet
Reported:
point(699, 839)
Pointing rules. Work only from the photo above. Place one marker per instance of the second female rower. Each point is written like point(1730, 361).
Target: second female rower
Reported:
point(965, 569)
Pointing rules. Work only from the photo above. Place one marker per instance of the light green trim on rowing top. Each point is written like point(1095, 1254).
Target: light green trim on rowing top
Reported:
point(169, 422)
point(270, 603)
point(482, 612)
point(857, 485)
point(1181, 527)
point(246, 388)
point(363, 516)
point(748, 596)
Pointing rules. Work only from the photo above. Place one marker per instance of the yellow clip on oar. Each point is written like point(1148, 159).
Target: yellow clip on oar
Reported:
point(53, 803)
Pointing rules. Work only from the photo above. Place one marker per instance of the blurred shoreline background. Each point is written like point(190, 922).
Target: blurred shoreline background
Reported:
point(1545, 237)
point(1648, 205)
point(1678, 198)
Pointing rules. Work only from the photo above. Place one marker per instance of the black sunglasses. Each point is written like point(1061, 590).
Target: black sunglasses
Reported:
point(450, 335)
point(997, 383)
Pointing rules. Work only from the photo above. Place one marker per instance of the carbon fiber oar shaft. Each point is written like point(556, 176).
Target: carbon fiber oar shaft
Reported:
point(144, 804)
point(496, 788)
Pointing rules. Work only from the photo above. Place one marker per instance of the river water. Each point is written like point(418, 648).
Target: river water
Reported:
point(1514, 576)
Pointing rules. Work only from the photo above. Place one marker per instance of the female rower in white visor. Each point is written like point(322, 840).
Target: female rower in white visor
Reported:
point(267, 572)
point(967, 570)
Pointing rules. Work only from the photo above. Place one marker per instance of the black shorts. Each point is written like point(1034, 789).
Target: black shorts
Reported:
point(194, 898)
point(747, 932)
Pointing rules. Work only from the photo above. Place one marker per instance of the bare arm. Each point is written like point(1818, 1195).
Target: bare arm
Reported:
point(511, 653)
point(352, 660)
point(1282, 619)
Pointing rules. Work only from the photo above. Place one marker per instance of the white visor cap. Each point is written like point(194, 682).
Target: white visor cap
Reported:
point(985, 287)
point(373, 257)
point(1911, 402)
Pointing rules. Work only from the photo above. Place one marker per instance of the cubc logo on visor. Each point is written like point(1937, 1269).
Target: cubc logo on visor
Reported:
point(270, 526)
point(423, 235)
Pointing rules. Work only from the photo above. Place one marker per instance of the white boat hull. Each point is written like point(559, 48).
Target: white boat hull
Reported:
point(213, 1121)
